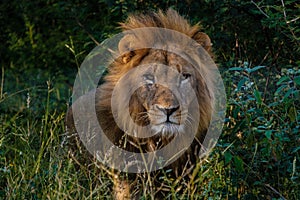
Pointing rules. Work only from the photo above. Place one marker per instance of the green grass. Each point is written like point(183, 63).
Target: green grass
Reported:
point(257, 156)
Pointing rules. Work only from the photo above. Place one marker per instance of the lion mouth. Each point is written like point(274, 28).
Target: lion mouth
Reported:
point(167, 125)
point(167, 128)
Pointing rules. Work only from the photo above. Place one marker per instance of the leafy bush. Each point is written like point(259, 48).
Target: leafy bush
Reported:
point(264, 130)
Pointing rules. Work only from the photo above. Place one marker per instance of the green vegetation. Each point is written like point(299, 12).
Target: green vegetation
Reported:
point(257, 46)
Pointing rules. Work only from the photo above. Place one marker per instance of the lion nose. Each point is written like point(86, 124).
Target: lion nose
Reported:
point(168, 111)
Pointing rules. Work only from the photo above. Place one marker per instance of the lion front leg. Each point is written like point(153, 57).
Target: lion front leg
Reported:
point(121, 188)
point(125, 188)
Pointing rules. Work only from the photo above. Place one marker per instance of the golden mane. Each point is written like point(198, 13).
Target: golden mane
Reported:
point(132, 48)
point(169, 20)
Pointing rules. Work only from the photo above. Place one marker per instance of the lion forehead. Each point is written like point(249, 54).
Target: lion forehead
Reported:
point(156, 58)
point(164, 97)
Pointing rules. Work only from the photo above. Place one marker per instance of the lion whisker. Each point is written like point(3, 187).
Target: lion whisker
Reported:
point(156, 114)
point(142, 117)
point(142, 113)
point(190, 120)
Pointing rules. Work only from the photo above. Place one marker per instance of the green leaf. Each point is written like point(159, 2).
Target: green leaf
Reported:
point(282, 79)
point(297, 80)
point(257, 96)
point(239, 164)
point(254, 69)
point(241, 83)
point(278, 91)
point(296, 149)
point(287, 94)
point(268, 134)
point(236, 69)
point(228, 157)
point(292, 114)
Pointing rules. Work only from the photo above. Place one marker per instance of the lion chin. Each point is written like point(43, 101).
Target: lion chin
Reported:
point(167, 129)
point(167, 122)
point(172, 98)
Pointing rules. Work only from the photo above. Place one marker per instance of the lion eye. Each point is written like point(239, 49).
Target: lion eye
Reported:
point(149, 78)
point(185, 76)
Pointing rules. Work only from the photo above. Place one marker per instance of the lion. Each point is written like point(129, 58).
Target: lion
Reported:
point(172, 96)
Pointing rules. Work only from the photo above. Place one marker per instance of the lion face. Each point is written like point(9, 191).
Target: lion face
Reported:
point(157, 87)
point(166, 93)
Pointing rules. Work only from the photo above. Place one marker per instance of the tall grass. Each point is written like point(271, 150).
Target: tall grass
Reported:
point(257, 156)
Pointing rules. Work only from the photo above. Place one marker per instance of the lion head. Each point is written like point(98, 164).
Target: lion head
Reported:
point(156, 89)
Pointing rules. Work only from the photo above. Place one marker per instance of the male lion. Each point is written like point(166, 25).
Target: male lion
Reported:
point(151, 96)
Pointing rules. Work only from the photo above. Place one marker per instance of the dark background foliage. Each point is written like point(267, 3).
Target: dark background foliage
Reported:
point(257, 47)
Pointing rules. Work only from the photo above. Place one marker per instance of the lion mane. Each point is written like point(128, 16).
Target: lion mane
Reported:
point(159, 101)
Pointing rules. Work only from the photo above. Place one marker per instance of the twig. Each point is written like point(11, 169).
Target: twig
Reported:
point(275, 191)
point(2, 83)
point(260, 9)
point(89, 34)
point(288, 22)
point(284, 13)
point(292, 20)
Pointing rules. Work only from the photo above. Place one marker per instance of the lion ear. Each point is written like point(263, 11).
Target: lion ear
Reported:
point(204, 40)
point(126, 48)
